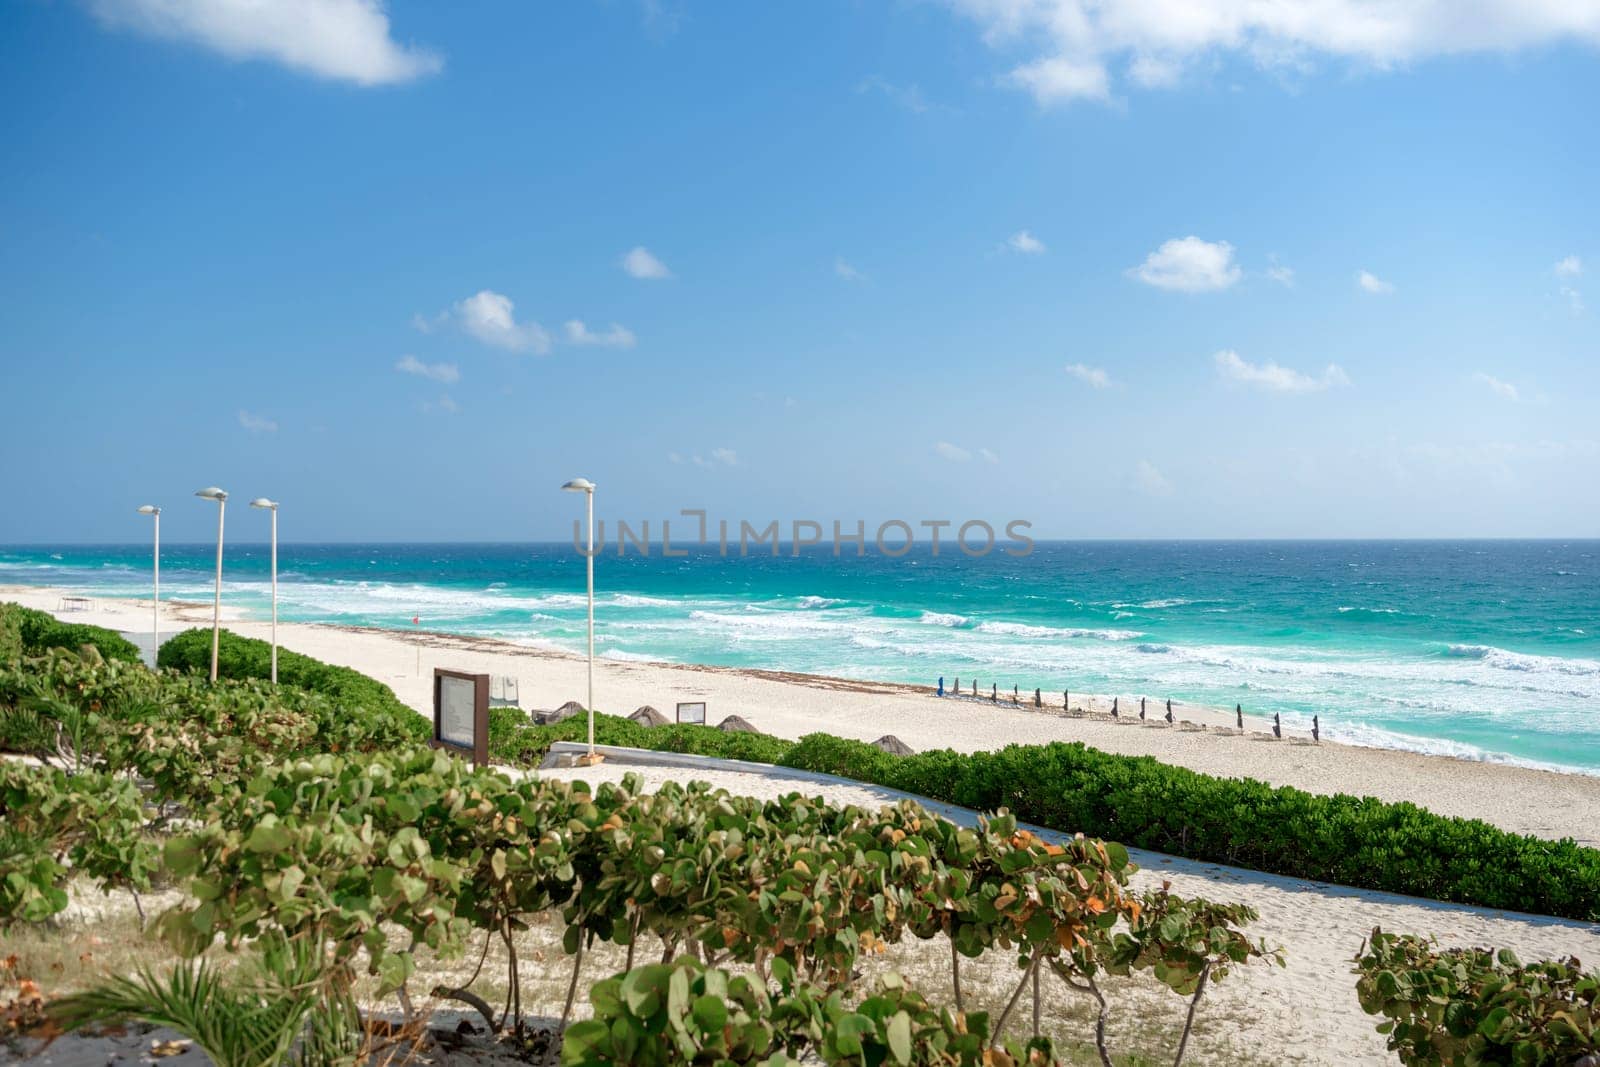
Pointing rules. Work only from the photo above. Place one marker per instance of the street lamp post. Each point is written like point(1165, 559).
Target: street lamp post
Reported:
point(272, 505)
point(155, 614)
point(213, 493)
point(586, 487)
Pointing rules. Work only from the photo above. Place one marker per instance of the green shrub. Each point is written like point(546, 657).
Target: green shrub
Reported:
point(24, 631)
point(1475, 1006)
point(1354, 841)
point(513, 739)
point(245, 657)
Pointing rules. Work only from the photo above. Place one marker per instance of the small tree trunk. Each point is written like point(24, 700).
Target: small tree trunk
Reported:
point(1188, 1023)
point(572, 987)
point(955, 973)
point(1000, 1024)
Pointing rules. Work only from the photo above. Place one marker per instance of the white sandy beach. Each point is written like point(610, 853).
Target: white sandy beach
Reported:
point(1306, 1014)
point(1545, 803)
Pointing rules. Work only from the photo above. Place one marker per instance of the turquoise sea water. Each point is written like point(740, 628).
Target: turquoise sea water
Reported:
point(1480, 649)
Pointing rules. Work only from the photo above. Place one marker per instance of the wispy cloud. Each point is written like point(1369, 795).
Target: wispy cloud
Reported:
point(1274, 378)
point(1026, 243)
point(640, 263)
point(448, 373)
point(341, 40)
point(1279, 273)
point(719, 457)
point(257, 423)
point(1189, 265)
point(954, 453)
point(491, 318)
point(988, 456)
point(1372, 283)
point(615, 337)
point(1150, 481)
point(847, 272)
point(1503, 388)
point(1094, 376)
point(1569, 268)
point(907, 96)
point(446, 404)
point(1072, 47)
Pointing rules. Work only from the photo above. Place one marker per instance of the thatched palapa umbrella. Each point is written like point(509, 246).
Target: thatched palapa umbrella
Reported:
point(733, 724)
point(648, 716)
point(561, 714)
point(894, 746)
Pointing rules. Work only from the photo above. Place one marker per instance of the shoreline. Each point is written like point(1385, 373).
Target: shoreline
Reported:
point(1544, 803)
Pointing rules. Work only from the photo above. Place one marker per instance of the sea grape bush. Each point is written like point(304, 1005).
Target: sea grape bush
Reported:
point(1477, 1006)
point(355, 850)
point(24, 631)
point(686, 1013)
point(354, 693)
point(100, 725)
point(1355, 841)
point(52, 823)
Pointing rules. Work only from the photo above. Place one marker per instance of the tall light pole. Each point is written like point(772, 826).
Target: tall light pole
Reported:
point(586, 487)
point(213, 493)
point(155, 615)
point(272, 505)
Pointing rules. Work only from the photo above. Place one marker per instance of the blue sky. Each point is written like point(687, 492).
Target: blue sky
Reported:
point(1122, 270)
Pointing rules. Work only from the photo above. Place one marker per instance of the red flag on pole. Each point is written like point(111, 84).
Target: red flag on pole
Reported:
point(416, 619)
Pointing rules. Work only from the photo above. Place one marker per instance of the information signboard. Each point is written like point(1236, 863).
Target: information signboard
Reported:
point(461, 713)
point(692, 713)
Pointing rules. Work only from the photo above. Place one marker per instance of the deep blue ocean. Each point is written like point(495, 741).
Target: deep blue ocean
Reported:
point(1483, 649)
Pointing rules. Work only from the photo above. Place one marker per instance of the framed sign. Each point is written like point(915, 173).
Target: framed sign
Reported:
point(461, 713)
point(694, 713)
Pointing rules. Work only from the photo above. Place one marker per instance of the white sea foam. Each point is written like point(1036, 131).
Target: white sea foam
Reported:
point(945, 618)
point(807, 602)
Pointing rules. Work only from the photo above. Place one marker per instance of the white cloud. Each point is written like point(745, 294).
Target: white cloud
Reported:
point(641, 264)
point(1372, 283)
point(1569, 267)
point(615, 337)
point(1505, 389)
point(847, 272)
point(1189, 265)
point(1058, 78)
point(1574, 299)
point(257, 423)
point(448, 373)
point(988, 456)
point(954, 453)
point(907, 96)
point(674, 457)
point(342, 40)
point(1026, 243)
point(445, 403)
point(491, 318)
point(1150, 481)
point(1071, 46)
point(1273, 378)
point(1094, 376)
point(1279, 273)
point(720, 457)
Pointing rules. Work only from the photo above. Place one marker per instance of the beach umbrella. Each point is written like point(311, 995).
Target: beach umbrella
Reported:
point(648, 716)
point(894, 746)
point(733, 724)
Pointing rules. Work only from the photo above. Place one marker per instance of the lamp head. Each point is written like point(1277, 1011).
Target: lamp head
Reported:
point(579, 485)
point(212, 493)
point(263, 502)
point(149, 509)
